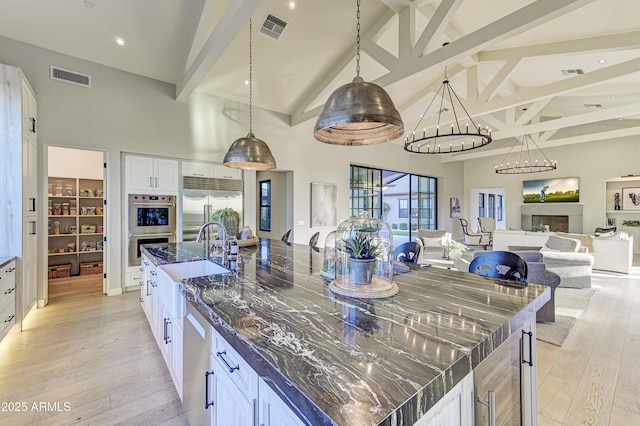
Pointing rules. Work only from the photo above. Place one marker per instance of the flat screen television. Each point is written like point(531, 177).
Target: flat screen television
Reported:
point(563, 190)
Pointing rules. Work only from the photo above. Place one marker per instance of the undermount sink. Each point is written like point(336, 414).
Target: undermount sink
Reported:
point(198, 268)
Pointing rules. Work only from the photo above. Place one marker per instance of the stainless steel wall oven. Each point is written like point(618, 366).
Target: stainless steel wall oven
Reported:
point(151, 220)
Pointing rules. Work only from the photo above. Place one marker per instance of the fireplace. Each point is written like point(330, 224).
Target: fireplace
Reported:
point(556, 223)
point(553, 215)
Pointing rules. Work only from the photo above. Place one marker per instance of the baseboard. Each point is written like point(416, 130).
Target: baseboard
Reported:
point(114, 291)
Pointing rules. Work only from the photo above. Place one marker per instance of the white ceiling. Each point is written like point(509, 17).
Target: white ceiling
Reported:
point(504, 57)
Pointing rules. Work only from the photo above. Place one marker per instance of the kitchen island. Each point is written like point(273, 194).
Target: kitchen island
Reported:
point(342, 361)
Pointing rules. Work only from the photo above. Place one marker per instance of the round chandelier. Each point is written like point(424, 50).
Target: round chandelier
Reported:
point(529, 158)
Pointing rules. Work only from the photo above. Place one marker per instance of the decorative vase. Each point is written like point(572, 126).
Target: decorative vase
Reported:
point(362, 270)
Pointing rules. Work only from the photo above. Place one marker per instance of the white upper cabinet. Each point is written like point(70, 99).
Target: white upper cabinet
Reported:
point(151, 175)
point(197, 169)
point(222, 172)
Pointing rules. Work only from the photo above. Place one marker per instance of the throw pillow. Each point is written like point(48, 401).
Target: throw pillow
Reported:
point(585, 240)
point(562, 244)
point(432, 242)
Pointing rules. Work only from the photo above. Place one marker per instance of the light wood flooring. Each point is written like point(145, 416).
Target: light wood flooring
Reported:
point(97, 354)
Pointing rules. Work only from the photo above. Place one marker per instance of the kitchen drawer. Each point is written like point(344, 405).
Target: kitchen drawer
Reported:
point(7, 285)
point(223, 172)
point(7, 318)
point(133, 279)
point(230, 363)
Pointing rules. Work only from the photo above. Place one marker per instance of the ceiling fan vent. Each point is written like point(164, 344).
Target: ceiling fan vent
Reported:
point(273, 26)
point(70, 76)
point(574, 71)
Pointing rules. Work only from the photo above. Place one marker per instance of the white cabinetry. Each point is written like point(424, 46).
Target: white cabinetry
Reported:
point(18, 144)
point(625, 218)
point(197, 169)
point(222, 172)
point(273, 410)
point(7, 297)
point(151, 175)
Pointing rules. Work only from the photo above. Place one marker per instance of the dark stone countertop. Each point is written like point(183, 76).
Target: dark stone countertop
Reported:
point(344, 361)
point(5, 260)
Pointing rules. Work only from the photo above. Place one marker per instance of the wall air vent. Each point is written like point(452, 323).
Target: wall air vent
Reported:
point(593, 105)
point(273, 26)
point(72, 77)
point(572, 72)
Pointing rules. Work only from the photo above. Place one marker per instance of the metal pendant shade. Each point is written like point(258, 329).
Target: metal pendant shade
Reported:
point(250, 153)
point(358, 113)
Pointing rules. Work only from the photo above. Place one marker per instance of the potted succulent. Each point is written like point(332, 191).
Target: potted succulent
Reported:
point(362, 252)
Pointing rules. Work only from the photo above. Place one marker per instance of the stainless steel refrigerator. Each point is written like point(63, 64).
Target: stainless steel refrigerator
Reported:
point(203, 196)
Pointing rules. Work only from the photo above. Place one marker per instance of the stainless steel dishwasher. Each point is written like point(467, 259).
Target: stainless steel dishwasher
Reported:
point(199, 381)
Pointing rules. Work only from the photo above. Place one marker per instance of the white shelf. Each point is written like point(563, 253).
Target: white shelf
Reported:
point(637, 212)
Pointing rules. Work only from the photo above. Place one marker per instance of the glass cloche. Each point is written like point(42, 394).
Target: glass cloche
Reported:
point(329, 263)
point(363, 258)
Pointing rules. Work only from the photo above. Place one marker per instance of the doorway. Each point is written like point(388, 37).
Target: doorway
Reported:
point(76, 218)
point(274, 204)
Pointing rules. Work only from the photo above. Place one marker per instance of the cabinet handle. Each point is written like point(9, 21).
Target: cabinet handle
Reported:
point(167, 332)
point(10, 318)
point(33, 205)
point(141, 269)
point(10, 291)
point(491, 405)
point(150, 182)
point(140, 299)
point(255, 412)
point(207, 404)
point(221, 355)
point(530, 362)
point(33, 124)
point(156, 182)
point(148, 294)
point(11, 270)
point(198, 174)
point(153, 272)
point(33, 227)
point(164, 330)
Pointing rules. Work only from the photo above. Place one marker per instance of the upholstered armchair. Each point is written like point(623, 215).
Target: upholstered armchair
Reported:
point(487, 226)
point(473, 238)
point(432, 242)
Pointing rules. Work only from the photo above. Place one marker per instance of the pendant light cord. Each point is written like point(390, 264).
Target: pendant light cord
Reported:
point(358, 40)
point(250, 80)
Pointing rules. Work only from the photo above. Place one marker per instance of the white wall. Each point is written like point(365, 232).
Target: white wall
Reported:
point(75, 163)
point(122, 112)
point(592, 162)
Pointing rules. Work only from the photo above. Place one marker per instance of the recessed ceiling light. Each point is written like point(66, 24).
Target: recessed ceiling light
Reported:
point(613, 97)
point(602, 61)
point(292, 5)
point(246, 82)
point(88, 4)
point(119, 41)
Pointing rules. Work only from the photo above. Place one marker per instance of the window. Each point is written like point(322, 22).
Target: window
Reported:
point(265, 205)
point(492, 206)
point(499, 207)
point(403, 208)
point(481, 204)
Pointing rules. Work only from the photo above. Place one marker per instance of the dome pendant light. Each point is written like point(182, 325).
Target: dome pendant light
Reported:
point(358, 113)
point(250, 153)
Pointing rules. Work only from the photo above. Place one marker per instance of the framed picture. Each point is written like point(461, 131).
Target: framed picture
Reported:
point(324, 205)
point(631, 199)
point(454, 207)
point(564, 190)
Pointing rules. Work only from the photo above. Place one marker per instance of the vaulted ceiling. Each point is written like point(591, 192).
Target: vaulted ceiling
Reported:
point(547, 68)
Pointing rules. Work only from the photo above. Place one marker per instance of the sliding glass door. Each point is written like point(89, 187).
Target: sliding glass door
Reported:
point(405, 201)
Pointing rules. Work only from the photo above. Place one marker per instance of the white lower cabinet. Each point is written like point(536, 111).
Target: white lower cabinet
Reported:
point(455, 408)
point(233, 408)
point(273, 410)
point(7, 297)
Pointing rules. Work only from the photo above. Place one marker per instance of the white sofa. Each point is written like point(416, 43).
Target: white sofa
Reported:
point(613, 253)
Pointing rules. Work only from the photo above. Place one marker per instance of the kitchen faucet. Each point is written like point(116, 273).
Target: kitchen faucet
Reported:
point(222, 230)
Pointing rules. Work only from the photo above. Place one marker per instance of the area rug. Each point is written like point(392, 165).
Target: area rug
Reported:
point(570, 304)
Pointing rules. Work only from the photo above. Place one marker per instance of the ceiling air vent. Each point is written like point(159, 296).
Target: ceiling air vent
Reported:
point(273, 26)
point(570, 72)
point(72, 77)
point(593, 105)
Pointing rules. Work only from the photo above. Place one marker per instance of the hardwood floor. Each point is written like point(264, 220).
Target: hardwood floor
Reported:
point(93, 359)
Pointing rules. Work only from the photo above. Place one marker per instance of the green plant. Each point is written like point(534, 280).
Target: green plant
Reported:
point(394, 226)
point(404, 226)
point(385, 207)
point(538, 228)
point(362, 247)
